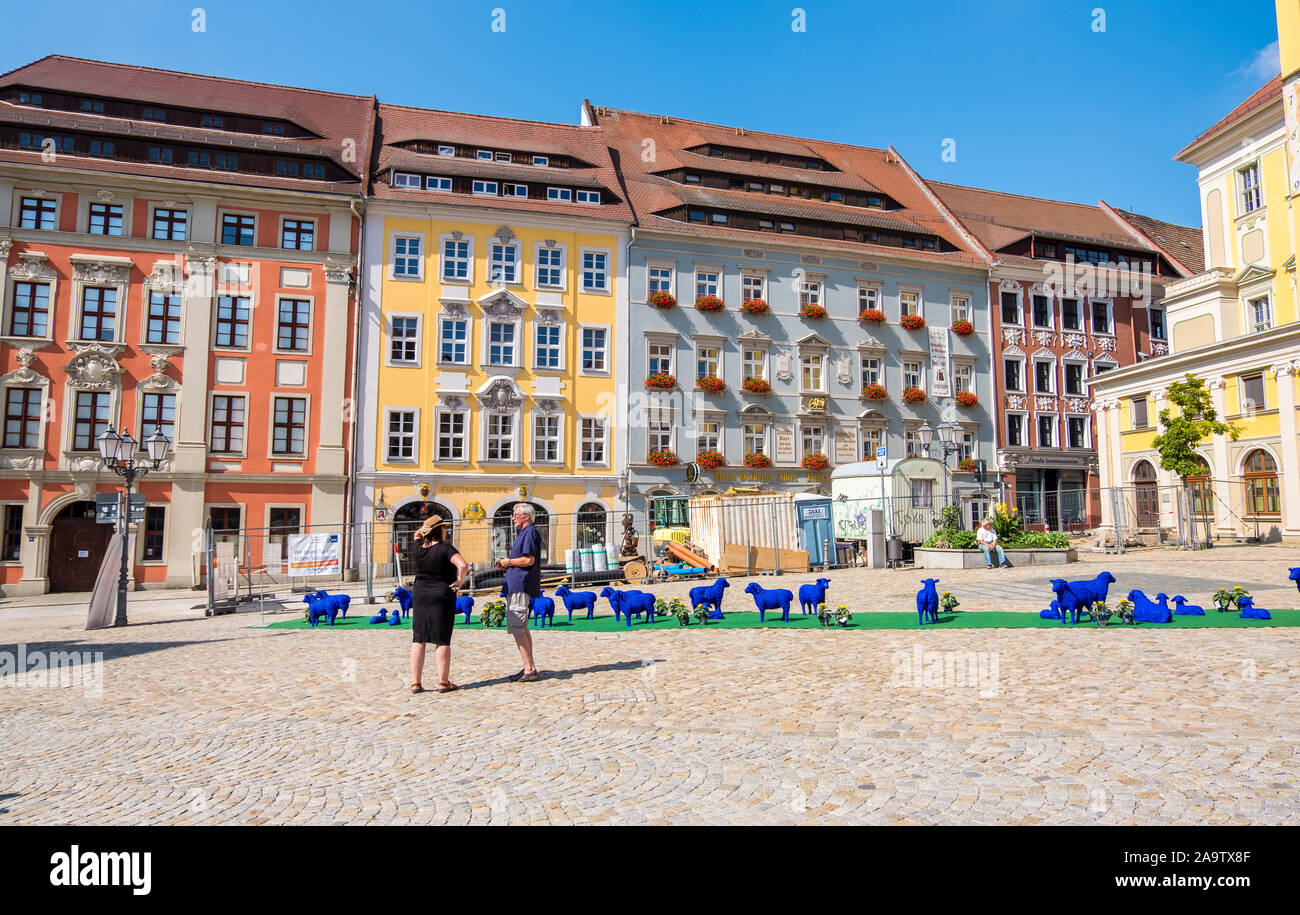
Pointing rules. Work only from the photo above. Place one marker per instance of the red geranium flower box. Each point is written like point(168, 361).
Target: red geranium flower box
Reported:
point(812, 312)
point(912, 322)
point(874, 392)
point(967, 399)
point(966, 464)
point(661, 381)
point(913, 395)
point(711, 384)
point(662, 300)
point(709, 303)
point(662, 457)
point(874, 315)
point(963, 328)
point(710, 460)
point(758, 459)
point(755, 307)
point(756, 386)
point(816, 461)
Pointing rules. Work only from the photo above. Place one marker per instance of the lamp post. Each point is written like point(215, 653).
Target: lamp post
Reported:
point(947, 433)
point(118, 454)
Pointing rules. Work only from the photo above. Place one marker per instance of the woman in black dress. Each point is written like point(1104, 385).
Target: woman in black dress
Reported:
point(439, 571)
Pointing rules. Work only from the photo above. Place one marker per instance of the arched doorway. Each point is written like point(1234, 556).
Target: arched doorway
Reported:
point(503, 530)
point(1147, 495)
point(1263, 497)
point(593, 525)
point(77, 547)
point(407, 520)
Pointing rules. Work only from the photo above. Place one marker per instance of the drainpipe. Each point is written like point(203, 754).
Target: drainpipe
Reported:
point(357, 207)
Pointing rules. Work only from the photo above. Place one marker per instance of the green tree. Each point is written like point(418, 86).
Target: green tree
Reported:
point(1196, 421)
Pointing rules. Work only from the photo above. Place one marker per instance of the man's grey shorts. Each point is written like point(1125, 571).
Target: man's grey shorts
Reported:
point(518, 608)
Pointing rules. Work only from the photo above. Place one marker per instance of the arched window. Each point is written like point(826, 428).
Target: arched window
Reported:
point(1262, 494)
point(1146, 494)
point(1202, 490)
point(408, 519)
point(503, 530)
point(591, 525)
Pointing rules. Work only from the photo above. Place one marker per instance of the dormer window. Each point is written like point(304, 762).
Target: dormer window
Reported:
point(541, 160)
point(30, 98)
point(273, 128)
point(875, 202)
point(153, 114)
point(485, 154)
point(514, 190)
point(92, 106)
point(715, 151)
point(562, 194)
point(446, 150)
point(589, 197)
point(835, 196)
point(485, 188)
point(692, 179)
point(502, 157)
point(212, 120)
point(403, 179)
point(696, 216)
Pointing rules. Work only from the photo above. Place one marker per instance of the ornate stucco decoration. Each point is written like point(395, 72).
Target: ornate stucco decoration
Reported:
point(504, 235)
point(1159, 349)
point(1076, 404)
point(454, 310)
point(453, 403)
point(336, 272)
point(24, 374)
point(1015, 402)
point(1044, 403)
point(1009, 285)
point(843, 369)
point(94, 367)
point(101, 273)
point(1074, 341)
point(549, 316)
point(159, 380)
point(1106, 344)
point(502, 306)
point(547, 406)
point(1012, 335)
point(501, 395)
point(31, 266)
point(1044, 338)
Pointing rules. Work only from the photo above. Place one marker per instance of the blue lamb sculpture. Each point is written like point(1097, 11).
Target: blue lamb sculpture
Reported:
point(927, 602)
point(1183, 608)
point(1146, 610)
point(1250, 612)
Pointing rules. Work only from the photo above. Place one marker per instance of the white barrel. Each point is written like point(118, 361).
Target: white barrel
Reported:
point(569, 560)
point(611, 557)
point(585, 557)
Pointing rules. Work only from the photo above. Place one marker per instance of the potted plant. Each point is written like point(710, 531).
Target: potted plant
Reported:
point(710, 384)
point(661, 381)
point(1101, 614)
point(661, 457)
point(872, 315)
point(701, 612)
point(758, 459)
point(710, 459)
point(709, 303)
point(1227, 598)
point(840, 616)
point(756, 386)
point(913, 395)
point(948, 602)
point(494, 613)
point(1126, 611)
point(963, 328)
point(912, 322)
point(812, 312)
point(815, 461)
point(874, 391)
point(967, 399)
point(676, 608)
point(966, 464)
point(755, 307)
point(662, 300)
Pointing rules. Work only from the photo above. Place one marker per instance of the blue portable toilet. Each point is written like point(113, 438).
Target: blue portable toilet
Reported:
point(814, 517)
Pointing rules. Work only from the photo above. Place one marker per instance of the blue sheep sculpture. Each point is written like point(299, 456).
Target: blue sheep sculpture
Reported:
point(380, 617)
point(710, 595)
point(1146, 610)
point(927, 602)
point(1054, 613)
point(577, 600)
point(543, 611)
point(812, 595)
point(465, 605)
point(627, 604)
point(766, 600)
point(404, 597)
point(395, 619)
point(319, 611)
point(1183, 608)
point(1078, 596)
point(341, 601)
point(1250, 612)
point(1295, 577)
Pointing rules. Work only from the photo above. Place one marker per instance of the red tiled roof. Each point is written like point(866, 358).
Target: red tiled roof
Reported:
point(998, 219)
point(1182, 244)
point(1270, 91)
point(869, 169)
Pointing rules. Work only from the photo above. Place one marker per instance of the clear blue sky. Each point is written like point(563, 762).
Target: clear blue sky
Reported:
point(1037, 101)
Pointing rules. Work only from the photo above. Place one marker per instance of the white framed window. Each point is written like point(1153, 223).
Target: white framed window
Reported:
point(501, 156)
point(439, 183)
point(548, 346)
point(401, 435)
point(870, 370)
point(1137, 412)
point(659, 357)
point(753, 362)
point(912, 444)
point(659, 428)
point(453, 340)
point(706, 283)
point(1046, 430)
point(1103, 321)
point(708, 360)
point(403, 339)
point(457, 259)
point(966, 445)
point(1042, 311)
point(1156, 323)
point(909, 302)
point(658, 279)
point(1044, 376)
point(810, 293)
point(963, 378)
point(408, 180)
point(541, 160)
point(514, 190)
point(1010, 301)
point(561, 194)
point(1251, 192)
point(1077, 429)
point(595, 350)
point(593, 434)
point(500, 437)
point(1074, 373)
point(1071, 315)
point(595, 270)
point(814, 440)
point(407, 257)
point(959, 308)
point(1259, 314)
point(485, 154)
point(1015, 430)
point(590, 197)
point(452, 432)
point(1013, 374)
point(503, 262)
point(502, 343)
point(546, 438)
point(754, 438)
point(444, 150)
point(812, 372)
point(753, 286)
point(708, 437)
point(484, 188)
point(913, 376)
point(550, 266)
point(873, 437)
point(868, 297)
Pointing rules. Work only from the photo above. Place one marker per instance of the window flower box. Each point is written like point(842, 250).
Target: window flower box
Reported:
point(709, 303)
point(711, 384)
point(873, 315)
point(758, 459)
point(963, 328)
point(812, 312)
point(710, 459)
point(662, 457)
point(967, 399)
point(756, 386)
point(661, 381)
point(913, 395)
point(755, 307)
point(816, 461)
point(912, 322)
point(662, 300)
point(966, 464)
point(874, 392)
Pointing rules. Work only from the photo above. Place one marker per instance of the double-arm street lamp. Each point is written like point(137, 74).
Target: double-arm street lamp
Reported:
point(119, 455)
point(947, 433)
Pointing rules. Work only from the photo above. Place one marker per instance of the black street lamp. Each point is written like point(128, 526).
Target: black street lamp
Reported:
point(119, 455)
point(947, 433)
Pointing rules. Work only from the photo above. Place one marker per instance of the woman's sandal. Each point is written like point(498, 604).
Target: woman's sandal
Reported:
point(416, 688)
point(447, 687)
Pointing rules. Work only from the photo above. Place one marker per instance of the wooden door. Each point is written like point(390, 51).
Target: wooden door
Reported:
point(77, 548)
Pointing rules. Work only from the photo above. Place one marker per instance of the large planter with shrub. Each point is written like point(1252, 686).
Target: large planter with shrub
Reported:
point(928, 558)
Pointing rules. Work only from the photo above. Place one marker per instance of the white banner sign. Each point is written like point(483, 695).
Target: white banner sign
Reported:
point(314, 554)
point(941, 374)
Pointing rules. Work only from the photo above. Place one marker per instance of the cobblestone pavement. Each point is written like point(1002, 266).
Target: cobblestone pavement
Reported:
point(208, 721)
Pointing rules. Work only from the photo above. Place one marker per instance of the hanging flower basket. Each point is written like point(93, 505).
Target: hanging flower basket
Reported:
point(755, 307)
point(966, 464)
point(913, 395)
point(662, 457)
point(816, 461)
point(709, 303)
point(963, 328)
point(812, 312)
point(912, 322)
point(874, 391)
point(874, 315)
point(756, 386)
point(711, 384)
point(967, 399)
point(710, 460)
point(758, 459)
point(662, 300)
point(661, 381)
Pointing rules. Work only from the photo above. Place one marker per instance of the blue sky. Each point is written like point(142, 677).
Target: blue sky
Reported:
point(1037, 101)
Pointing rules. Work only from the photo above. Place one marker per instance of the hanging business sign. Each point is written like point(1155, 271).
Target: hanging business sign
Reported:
point(314, 554)
point(941, 372)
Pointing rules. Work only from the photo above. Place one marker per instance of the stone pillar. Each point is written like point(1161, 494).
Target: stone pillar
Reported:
point(1222, 469)
point(1289, 465)
point(334, 410)
point(1104, 445)
point(191, 438)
